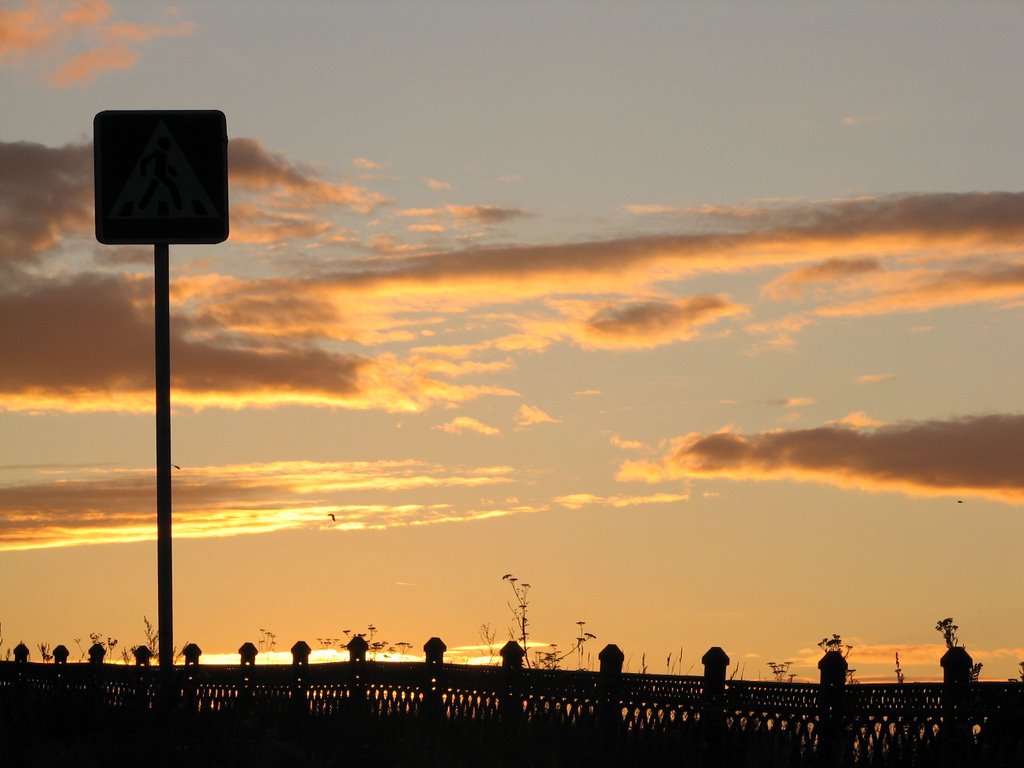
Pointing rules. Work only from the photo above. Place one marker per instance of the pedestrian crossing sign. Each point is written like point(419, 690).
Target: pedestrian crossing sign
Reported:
point(161, 177)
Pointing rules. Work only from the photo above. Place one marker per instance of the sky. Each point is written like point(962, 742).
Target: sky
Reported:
point(703, 319)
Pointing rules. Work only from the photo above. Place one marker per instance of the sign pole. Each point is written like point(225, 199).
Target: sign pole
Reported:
point(161, 177)
point(165, 609)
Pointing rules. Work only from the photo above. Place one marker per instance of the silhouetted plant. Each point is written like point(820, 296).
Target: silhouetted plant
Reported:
point(581, 639)
point(673, 666)
point(153, 644)
point(267, 641)
point(780, 669)
point(152, 637)
point(44, 651)
point(835, 643)
point(519, 612)
point(948, 630)
point(552, 659)
point(97, 637)
point(488, 636)
point(899, 669)
point(403, 648)
point(375, 646)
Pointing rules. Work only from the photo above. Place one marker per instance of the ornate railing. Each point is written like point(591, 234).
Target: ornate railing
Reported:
point(659, 717)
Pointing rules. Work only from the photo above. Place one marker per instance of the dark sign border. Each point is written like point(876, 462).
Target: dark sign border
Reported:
point(119, 139)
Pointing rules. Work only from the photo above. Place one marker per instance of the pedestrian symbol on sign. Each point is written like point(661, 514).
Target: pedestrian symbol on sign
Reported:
point(162, 185)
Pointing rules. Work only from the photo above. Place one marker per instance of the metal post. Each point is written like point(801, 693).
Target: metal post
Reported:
point(163, 457)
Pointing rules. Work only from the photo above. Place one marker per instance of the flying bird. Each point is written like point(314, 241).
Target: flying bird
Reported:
point(331, 515)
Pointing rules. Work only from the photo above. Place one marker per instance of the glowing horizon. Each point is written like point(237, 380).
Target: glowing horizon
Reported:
point(714, 346)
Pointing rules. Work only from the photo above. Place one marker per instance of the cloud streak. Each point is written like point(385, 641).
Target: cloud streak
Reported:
point(98, 357)
point(286, 185)
point(72, 507)
point(977, 456)
point(310, 339)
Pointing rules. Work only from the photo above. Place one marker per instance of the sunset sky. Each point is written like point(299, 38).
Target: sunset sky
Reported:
point(702, 318)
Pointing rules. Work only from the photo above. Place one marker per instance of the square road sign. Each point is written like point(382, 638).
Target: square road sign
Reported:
point(161, 177)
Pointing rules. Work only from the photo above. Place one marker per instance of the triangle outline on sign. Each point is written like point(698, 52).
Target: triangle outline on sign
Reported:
point(162, 184)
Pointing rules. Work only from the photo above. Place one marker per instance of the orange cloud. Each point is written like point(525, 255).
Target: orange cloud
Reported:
point(85, 67)
point(249, 224)
point(874, 378)
point(283, 184)
point(976, 456)
point(639, 325)
point(860, 420)
point(530, 416)
point(792, 284)
point(79, 506)
point(366, 164)
point(923, 226)
point(626, 445)
point(27, 28)
point(791, 402)
point(140, 33)
point(52, 31)
point(919, 290)
point(99, 359)
point(285, 334)
point(580, 500)
point(781, 333)
point(461, 424)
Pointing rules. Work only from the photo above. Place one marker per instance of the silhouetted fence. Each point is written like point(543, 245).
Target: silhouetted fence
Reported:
point(606, 717)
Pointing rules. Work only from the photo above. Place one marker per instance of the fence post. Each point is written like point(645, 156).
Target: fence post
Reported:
point(433, 668)
point(21, 653)
point(190, 684)
point(609, 704)
point(300, 655)
point(300, 669)
point(716, 664)
point(357, 648)
point(511, 697)
point(60, 655)
point(246, 661)
point(142, 656)
point(831, 705)
point(96, 653)
point(192, 652)
point(956, 681)
point(247, 655)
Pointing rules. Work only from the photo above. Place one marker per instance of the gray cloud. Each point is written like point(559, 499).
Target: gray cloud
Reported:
point(45, 194)
point(94, 332)
point(252, 167)
point(658, 318)
point(979, 455)
point(790, 235)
